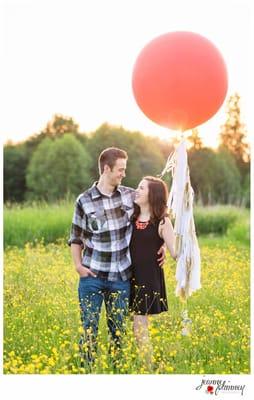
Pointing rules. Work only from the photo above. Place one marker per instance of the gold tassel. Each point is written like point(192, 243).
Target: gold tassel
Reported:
point(188, 273)
point(178, 244)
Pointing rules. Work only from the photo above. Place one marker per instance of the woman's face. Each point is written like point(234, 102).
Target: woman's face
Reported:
point(142, 193)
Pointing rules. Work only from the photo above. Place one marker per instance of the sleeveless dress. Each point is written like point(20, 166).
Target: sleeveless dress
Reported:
point(148, 290)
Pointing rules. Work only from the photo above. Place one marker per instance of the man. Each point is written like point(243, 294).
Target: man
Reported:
point(101, 228)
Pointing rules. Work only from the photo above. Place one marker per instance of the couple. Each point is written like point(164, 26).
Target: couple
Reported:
point(117, 237)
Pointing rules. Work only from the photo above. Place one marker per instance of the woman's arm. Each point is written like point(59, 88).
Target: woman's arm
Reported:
point(167, 234)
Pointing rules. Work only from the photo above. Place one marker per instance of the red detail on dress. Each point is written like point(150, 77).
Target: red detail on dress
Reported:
point(141, 225)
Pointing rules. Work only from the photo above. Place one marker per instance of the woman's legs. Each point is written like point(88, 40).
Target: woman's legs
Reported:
point(141, 333)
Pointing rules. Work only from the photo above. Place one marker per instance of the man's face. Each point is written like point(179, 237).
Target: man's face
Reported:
point(117, 173)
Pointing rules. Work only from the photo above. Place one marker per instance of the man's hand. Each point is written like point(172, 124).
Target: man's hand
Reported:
point(162, 252)
point(85, 272)
point(76, 250)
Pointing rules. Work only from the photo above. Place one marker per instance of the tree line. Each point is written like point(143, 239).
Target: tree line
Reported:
point(61, 161)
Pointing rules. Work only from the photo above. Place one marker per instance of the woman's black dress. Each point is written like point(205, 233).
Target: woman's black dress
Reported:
point(148, 291)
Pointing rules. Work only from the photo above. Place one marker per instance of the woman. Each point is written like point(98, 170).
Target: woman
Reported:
point(151, 228)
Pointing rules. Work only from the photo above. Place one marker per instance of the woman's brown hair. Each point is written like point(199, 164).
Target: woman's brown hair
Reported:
point(157, 198)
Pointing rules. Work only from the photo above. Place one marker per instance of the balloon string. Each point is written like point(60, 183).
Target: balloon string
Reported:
point(182, 134)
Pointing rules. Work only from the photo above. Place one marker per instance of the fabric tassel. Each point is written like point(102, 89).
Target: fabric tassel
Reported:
point(180, 203)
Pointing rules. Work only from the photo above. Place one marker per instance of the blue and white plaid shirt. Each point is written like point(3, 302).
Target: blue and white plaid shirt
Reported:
point(102, 224)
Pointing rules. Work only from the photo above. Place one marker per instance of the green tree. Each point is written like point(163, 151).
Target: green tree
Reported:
point(58, 126)
point(58, 168)
point(246, 191)
point(227, 179)
point(15, 163)
point(145, 157)
point(214, 176)
point(233, 135)
point(202, 163)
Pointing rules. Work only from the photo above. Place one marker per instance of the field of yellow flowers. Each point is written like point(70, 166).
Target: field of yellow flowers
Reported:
point(42, 324)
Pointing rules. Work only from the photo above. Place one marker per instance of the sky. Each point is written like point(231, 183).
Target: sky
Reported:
point(76, 58)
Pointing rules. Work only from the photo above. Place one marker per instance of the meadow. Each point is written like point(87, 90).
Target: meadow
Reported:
point(50, 222)
point(42, 322)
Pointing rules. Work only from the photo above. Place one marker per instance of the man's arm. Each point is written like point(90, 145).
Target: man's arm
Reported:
point(76, 240)
point(162, 253)
point(76, 251)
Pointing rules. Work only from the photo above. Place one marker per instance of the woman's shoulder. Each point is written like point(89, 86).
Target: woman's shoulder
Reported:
point(165, 221)
point(165, 225)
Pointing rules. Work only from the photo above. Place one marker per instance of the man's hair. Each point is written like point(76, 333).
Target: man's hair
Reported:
point(109, 157)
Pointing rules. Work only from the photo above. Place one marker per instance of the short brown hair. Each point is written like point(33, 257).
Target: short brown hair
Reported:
point(157, 198)
point(109, 157)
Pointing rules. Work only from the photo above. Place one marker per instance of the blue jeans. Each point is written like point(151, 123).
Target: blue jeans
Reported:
point(92, 291)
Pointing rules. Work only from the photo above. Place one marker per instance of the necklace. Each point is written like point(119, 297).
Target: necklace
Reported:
point(141, 225)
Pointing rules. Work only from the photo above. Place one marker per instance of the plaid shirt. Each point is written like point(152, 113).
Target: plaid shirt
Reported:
point(103, 224)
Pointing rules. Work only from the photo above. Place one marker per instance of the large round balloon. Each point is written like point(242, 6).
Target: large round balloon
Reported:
point(180, 80)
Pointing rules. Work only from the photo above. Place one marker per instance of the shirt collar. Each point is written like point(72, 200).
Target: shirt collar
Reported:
point(96, 193)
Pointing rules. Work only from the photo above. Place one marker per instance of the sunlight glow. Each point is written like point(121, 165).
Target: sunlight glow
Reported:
point(76, 58)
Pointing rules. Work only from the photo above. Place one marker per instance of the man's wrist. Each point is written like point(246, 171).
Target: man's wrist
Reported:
point(79, 267)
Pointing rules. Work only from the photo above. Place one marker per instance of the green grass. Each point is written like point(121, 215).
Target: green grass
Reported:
point(51, 222)
point(33, 223)
point(217, 219)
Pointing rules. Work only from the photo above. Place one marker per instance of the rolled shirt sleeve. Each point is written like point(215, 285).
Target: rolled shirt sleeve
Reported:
point(78, 226)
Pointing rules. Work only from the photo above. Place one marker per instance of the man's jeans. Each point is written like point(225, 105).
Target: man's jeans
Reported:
point(92, 291)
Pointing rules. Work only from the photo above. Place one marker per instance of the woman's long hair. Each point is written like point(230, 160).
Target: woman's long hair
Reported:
point(157, 198)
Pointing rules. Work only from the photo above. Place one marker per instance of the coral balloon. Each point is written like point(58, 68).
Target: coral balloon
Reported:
point(180, 80)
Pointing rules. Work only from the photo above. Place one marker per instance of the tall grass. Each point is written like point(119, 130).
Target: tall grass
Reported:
point(37, 222)
point(51, 222)
point(231, 221)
